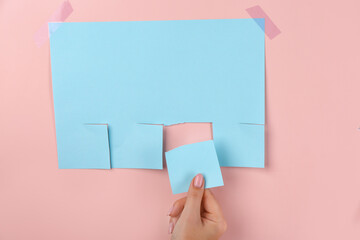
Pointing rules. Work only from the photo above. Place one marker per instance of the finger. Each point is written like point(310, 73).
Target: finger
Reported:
point(171, 226)
point(177, 207)
point(194, 197)
point(174, 220)
point(211, 206)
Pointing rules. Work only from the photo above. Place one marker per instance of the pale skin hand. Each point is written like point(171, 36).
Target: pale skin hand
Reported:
point(197, 216)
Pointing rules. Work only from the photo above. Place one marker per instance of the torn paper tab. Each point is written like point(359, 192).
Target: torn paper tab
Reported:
point(185, 162)
point(89, 150)
point(142, 148)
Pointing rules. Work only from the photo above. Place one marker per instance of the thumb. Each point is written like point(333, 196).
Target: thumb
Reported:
point(194, 197)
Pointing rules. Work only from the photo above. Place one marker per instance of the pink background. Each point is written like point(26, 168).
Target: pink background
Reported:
point(310, 188)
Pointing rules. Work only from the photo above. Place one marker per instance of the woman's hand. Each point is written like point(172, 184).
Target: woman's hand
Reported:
point(197, 216)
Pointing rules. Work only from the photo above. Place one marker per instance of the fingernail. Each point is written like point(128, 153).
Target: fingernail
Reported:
point(170, 210)
point(198, 182)
point(171, 227)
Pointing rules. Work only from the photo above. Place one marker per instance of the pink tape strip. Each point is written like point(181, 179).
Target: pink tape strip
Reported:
point(60, 15)
point(271, 30)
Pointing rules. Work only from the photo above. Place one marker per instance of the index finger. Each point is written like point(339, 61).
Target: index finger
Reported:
point(177, 207)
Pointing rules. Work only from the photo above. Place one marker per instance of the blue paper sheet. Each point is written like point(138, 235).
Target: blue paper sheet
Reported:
point(159, 72)
point(185, 162)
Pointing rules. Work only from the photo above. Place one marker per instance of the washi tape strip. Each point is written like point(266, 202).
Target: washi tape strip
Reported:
point(271, 30)
point(60, 15)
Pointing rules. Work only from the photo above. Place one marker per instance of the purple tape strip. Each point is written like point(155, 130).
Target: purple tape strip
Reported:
point(60, 15)
point(271, 30)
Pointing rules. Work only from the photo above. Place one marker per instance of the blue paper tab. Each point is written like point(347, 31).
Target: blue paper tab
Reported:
point(185, 162)
point(160, 72)
point(88, 148)
point(143, 148)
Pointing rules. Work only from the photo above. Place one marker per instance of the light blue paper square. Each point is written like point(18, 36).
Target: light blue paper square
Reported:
point(160, 72)
point(88, 149)
point(185, 162)
point(143, 148)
